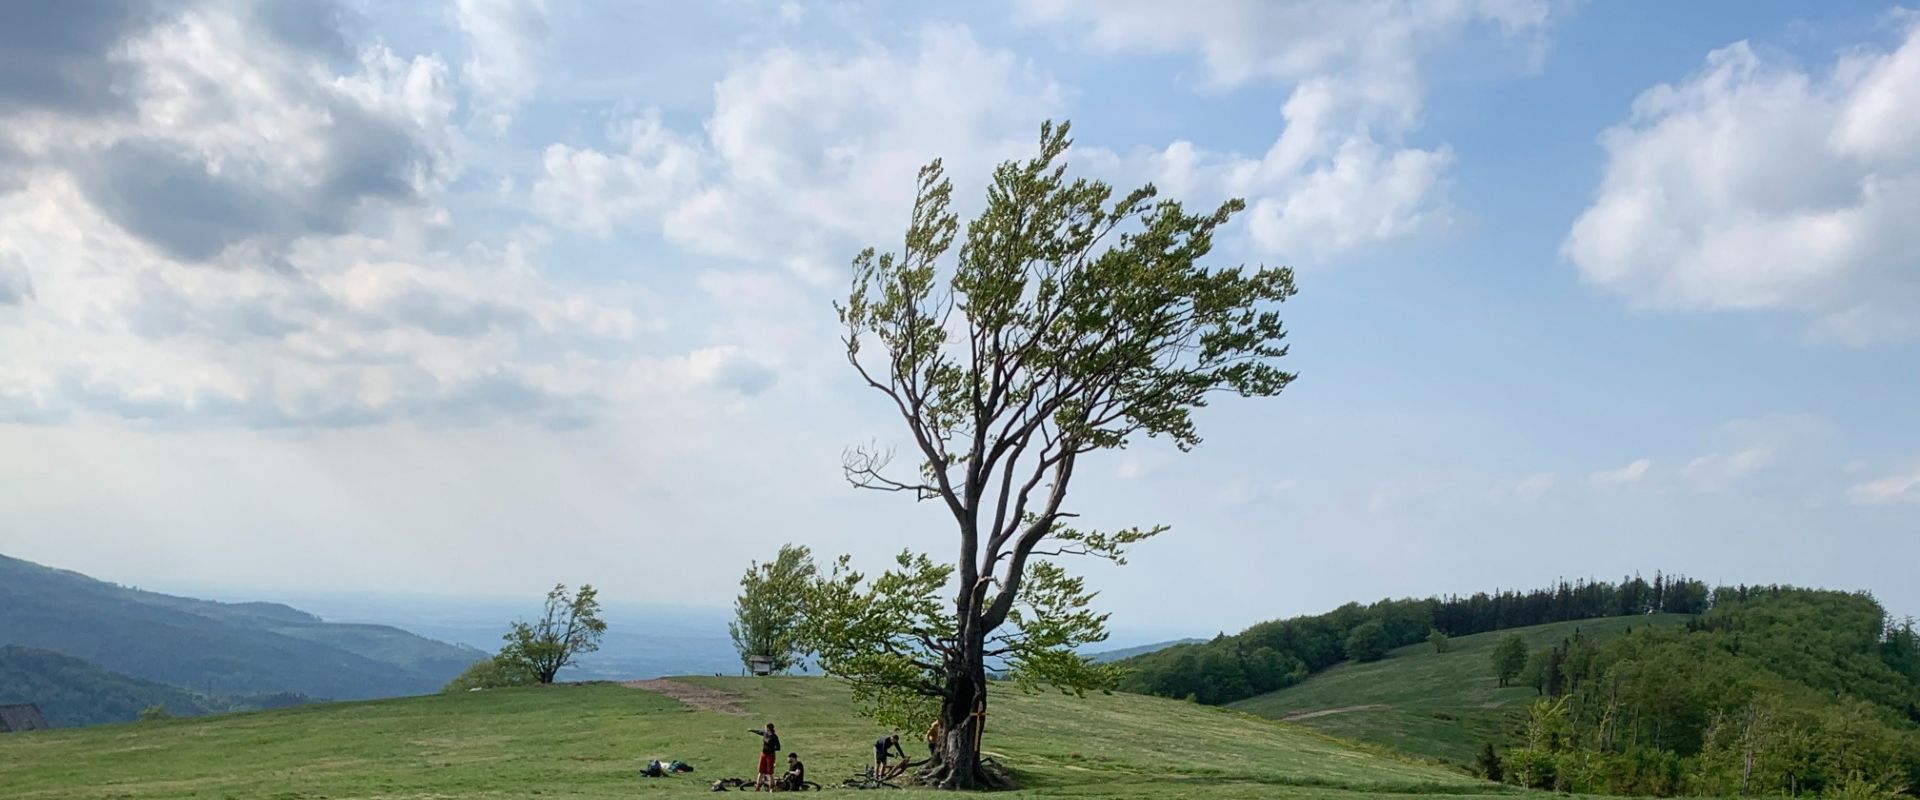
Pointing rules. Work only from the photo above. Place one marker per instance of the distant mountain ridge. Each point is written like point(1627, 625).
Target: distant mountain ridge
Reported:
point(216, 648)
point(1106, 656)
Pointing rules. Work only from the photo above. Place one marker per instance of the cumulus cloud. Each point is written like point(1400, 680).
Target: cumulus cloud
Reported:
point(504, 39)
point(1757, 184)
point(1631, 473)
point(214, 125)
point(186, 237)
point(808, 154)
point(1339, 177)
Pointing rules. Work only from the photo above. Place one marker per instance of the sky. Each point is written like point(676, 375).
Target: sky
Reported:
point(466, 298)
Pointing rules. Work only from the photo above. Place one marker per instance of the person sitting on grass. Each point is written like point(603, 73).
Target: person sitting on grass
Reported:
point(769, 747)
point(796, 778)
point(882, 748)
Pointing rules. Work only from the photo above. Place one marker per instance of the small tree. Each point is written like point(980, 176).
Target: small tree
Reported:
point(569, 627)
point(1367, 642)
point(768, 612)
point(1509, 658)
point(1439, 641)
point(1072, 321)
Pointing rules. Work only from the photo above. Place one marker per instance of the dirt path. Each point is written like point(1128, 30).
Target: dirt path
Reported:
point(698, 698)
point(1327, 712)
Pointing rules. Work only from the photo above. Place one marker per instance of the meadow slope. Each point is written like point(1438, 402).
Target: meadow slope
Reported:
point(589, 740)
point(1417, 701)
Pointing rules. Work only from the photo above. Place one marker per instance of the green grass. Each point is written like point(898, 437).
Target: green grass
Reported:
point(1436, 705)
point(588, 741)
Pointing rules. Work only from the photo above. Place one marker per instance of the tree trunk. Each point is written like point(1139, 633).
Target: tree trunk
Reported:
point(956, 764)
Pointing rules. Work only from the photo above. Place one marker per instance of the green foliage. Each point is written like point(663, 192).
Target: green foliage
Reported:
point(1509, 659)
point(1774, 691)
point(890, 638)
point(154, 713)
point(1367, 642)
point(1439, 641)
point(224, 649)
point(569, 626)
point(494, 672)
point(768, 613)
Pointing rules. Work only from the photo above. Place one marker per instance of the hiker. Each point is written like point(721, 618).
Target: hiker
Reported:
point(933, 739)
point(883, 747)
point(796, 778)
point(769, 747)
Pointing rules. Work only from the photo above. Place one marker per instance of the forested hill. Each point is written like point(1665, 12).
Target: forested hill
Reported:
point(1274, 655)
point(215, 648)
point(71, 692)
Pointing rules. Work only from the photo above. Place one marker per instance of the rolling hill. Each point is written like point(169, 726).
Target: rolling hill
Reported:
point(589, 740)
point(1417, 701)
point(215, 648)
point(71, 692)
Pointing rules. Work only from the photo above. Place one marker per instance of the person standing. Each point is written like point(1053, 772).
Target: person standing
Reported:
point(769, 748)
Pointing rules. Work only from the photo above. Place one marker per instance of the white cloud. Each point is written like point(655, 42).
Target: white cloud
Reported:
point(1755, 184)
point(504, 39)
point(1338, 178)
point(203, 252)
point(1899, 488)
point(1535, 485)
point(1631, 473)
point(1720, 470)
point(809, 154)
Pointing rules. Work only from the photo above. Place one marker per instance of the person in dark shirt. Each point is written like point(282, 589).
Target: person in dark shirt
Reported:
point(882, 749)
point(796, 778)
point(769, 747)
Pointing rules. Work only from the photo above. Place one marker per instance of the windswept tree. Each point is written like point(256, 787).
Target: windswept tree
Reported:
point(569, 626)
point(767, 613)
point(1070, 321)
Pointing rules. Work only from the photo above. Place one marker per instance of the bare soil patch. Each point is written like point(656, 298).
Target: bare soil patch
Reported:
point(697, 698)
point(1327, 712)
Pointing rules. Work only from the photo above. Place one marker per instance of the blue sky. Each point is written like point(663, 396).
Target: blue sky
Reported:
point(465, 298)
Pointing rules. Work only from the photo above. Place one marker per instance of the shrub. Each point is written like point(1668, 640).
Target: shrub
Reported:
point(154, 712)
point(496, 672)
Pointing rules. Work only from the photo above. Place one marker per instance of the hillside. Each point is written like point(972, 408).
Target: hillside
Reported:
point(1437, 705)
point(72, 692)
point(588, 741)
point(228, 648)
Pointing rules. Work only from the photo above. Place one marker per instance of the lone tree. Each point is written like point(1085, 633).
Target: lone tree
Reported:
point(1439, 641)
point(1070, 321)
point(569, 627)
point(768, 612)
point(1509, 658)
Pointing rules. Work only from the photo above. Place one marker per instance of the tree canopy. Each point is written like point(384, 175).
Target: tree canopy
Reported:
point(768, 612)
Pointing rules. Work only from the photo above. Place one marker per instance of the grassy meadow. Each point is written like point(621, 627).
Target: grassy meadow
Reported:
point(590, 740)
point(1436, 705)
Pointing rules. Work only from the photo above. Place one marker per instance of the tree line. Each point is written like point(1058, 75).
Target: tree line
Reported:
point(1773, 691)
point(1277, 654)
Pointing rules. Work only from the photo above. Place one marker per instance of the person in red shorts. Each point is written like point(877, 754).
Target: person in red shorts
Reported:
point(769, 747)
